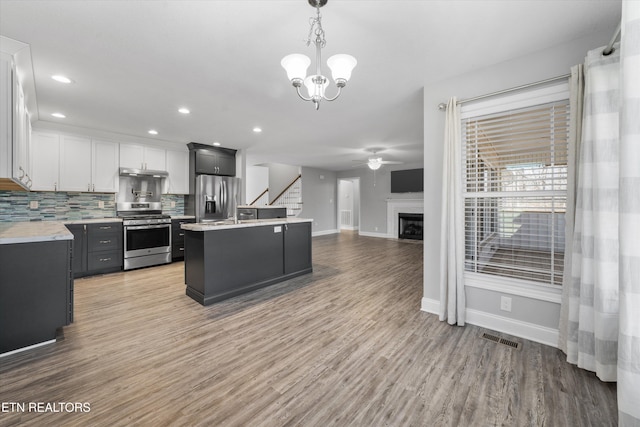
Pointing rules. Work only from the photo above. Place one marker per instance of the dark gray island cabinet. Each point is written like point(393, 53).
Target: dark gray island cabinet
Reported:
point(223, 261)
point(36, 283)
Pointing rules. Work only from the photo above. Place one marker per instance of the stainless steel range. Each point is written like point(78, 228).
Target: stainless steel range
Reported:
point(147, 232)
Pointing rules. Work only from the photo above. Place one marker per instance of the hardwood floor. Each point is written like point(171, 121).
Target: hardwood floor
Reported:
point(344, 346)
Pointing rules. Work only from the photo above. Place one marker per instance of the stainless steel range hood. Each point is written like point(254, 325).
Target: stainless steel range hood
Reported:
point(143, 172)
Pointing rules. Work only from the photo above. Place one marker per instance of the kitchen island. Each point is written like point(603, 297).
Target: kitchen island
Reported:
point(36, 284)
point(224, 259)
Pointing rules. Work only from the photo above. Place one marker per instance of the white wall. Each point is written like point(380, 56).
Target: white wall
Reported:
point(257, 180)
point(529, 316)
point(319, 199)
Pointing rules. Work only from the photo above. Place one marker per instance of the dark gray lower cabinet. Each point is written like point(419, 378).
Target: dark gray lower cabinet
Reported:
point(297, 247)
point(177, 238)
point(97, 248)
point(36, 292)
point(220, 264)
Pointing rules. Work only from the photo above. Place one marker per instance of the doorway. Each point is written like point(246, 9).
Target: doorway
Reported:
point(349, 204)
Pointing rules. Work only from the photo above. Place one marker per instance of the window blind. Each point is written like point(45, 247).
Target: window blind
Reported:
point(515, 186)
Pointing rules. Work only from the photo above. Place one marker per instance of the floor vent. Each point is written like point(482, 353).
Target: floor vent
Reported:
point(508, 343)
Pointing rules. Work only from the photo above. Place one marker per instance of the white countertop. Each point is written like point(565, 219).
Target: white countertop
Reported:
point(91, 221)
point(34, 231)
point(243, 224)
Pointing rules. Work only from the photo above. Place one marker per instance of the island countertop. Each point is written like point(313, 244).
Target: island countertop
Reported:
point(33, 231)
point(230, 224)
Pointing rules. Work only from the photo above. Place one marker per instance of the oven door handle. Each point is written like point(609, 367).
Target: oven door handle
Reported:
point(146, 227)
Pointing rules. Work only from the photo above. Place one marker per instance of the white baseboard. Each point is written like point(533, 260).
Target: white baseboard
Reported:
point(518, 328)
point(31, 347)
point(370, 234)
point(350, 228)
point(324, 232)
point(430, 305)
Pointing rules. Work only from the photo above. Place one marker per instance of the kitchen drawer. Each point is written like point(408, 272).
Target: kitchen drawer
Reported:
point(103, 242)
point(105, 228)
point(105, 260)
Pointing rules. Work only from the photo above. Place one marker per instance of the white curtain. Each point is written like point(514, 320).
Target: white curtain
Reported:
point(452, 298)
point(576, 105)
point(629, 204)
point(592, 336)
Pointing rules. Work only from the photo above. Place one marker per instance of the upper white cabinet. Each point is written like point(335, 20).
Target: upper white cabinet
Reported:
point(15, 127)
point(142, 157)
point(178, 168)
point(74, 163)
point(44, 161)
point(104, 171)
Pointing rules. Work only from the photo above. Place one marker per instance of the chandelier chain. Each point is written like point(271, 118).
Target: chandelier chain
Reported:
point(316, 23)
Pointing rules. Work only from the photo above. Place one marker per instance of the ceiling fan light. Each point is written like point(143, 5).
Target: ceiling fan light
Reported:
point(296, 66)
point(341, 66)
point(375, 163)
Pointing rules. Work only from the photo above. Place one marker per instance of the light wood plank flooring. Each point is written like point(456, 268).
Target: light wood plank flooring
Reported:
point(344, 346)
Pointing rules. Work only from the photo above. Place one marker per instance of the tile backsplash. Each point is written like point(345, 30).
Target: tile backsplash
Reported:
point(15, 206)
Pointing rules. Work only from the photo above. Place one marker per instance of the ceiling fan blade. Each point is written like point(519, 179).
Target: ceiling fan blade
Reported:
point(388, 162)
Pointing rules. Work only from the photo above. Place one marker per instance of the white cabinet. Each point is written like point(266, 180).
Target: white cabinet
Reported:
point(178, 168)
point(142, 157)
point(74, 163)
point(15, 125)
point(104, 171)
point(44, 161)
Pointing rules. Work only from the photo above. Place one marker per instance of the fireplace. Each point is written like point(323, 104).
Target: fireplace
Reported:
point(410, 225)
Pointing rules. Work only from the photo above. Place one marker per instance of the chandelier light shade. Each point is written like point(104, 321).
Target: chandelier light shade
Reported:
point(341, 66)
point(296, 65)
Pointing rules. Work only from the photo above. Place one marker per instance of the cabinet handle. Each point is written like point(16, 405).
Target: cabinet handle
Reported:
point(181, 234)
point(182, 249)
point(23, 173)
point(105, 227)
point(55, 186)
point(29, 182)
point(105, 259)
point(94, 187)
point(89, 187)
point(105, 241)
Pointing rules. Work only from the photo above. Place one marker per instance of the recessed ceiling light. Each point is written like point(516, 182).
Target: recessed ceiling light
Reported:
point(257, 129)
point(217, 144)
point(153, 132)
point(59, 115)
point(62, 79)
point(184, 110)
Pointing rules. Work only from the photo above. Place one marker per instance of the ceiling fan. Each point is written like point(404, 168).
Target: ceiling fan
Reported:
point(375, 162)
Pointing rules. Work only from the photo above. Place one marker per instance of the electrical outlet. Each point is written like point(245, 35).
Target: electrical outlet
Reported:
point(173, 204)
point(33, 204)
point(100, 204)
point(375, 228)
point(505, 304)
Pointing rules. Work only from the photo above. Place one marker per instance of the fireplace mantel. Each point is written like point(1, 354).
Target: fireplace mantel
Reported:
point(396, 206)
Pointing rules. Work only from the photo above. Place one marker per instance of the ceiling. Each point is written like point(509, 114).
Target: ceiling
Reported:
point(134, 63)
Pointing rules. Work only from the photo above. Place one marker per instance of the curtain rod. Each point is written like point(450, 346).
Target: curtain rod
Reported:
point(609, 49)
point(442, 106)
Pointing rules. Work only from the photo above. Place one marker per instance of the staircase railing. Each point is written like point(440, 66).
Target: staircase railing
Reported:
point(262, 195)
point(291, 197)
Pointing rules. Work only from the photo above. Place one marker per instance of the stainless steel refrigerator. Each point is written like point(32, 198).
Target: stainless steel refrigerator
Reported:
point(215, 198)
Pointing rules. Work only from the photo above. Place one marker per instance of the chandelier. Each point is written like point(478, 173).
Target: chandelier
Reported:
point(296, 64)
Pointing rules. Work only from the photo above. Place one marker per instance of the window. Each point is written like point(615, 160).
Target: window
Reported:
point(515, 189)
